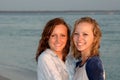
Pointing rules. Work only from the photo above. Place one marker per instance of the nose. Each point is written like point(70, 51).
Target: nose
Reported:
point(80, 37)
point(58, 39)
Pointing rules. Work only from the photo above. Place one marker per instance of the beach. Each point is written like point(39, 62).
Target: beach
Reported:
point(12, 73)
point(3, 78)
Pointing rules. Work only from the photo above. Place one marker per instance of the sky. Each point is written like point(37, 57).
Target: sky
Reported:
point(58, 5)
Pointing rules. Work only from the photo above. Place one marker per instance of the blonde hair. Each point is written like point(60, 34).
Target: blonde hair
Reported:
point(97, 37)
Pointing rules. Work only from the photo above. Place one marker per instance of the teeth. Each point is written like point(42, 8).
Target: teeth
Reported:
point(79, 44)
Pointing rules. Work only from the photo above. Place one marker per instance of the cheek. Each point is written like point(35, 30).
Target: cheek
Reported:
point(91, 41)
point(74, 39)
point(65, 41)
point(50, 42)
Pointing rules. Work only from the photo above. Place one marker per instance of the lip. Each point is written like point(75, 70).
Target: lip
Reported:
point(58, 45)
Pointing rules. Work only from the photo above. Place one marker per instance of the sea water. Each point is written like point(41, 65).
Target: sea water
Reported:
point(20, 34)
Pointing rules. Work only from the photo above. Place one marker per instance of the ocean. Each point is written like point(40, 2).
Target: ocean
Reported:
point(20, 33)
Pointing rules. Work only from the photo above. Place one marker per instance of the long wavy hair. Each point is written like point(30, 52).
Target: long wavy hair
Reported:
point(48, 29)
point(97, 37)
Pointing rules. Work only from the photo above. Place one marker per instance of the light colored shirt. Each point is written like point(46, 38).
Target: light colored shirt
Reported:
point(70, 64)
point(81, 73)
point(50, 67)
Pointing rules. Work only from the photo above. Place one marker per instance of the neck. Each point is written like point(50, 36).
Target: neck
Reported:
point(84, 57)
point(59, 54)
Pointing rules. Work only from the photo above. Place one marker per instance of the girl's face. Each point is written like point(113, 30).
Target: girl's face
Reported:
point(58, 38)
point(83, 37)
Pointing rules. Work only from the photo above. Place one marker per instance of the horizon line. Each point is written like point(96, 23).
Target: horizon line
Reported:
point(58, 10)
point(66, 12)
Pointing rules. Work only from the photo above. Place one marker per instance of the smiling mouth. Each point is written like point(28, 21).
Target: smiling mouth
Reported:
point(58, 45)
point(80, 44)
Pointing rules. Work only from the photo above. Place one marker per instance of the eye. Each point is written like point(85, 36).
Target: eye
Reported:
point(76, 34)
point(85, 34)
point(62, 35)
point(52, 35)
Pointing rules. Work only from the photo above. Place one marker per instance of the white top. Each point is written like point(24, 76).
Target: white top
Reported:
point(70, 64)
point(50, 67)
point(81, 73)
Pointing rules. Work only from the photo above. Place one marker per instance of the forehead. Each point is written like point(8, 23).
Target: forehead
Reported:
point(60, 28)
point(84, 26)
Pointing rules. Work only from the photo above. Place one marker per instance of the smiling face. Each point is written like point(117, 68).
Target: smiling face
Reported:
point(83, 37)
point(58, 38)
